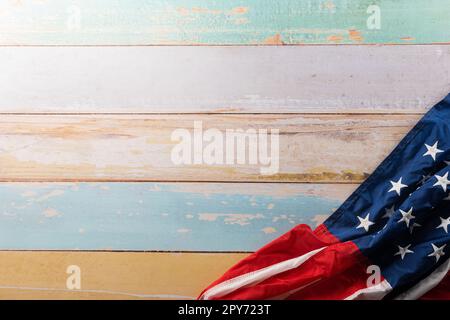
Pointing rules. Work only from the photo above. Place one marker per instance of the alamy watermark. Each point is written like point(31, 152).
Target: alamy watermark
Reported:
point(73, 281)
point(374, 19)
point(256, 147)
point(375, 275)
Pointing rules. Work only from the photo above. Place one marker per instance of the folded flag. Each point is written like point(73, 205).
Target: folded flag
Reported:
point(388, 240)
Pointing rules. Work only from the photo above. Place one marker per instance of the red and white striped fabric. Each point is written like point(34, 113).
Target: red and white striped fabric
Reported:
point(306, 264)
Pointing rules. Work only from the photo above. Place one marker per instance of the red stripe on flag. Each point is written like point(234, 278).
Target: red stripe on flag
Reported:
point(298, 241)
point(338, 287)
point(335, 272)
point(440, 292)
point(323, 276)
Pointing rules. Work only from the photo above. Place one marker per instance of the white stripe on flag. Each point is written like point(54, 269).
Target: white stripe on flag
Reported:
point(233, 284)
point(426, 284)
point(376, 292)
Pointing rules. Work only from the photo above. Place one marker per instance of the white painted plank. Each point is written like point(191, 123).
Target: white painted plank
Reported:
point(223, 79)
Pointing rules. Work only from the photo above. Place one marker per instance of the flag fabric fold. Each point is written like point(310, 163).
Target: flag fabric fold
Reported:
point(388, 240)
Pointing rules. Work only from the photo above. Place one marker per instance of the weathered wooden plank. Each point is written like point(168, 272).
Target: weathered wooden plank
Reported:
point(162, 216)
point(223, 22)
point(110, 275)
point(223, 79)
point(311, 148)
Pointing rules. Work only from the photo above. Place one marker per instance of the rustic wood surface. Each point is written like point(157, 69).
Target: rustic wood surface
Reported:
point(312, 148)
point(313, 79)
point(110, 275)
point(159, 216)
point(91, 91)
point(215, 22)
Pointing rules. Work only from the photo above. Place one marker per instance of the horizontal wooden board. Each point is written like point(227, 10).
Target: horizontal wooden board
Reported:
point(110, 275)
point(318, 79)
point(158, 216)
point(312, 148)
point(223, 22)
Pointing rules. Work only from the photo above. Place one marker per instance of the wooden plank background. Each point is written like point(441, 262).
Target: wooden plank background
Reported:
point(213, 22)
point(110, 275)
point(91, 92)
point(159, 216)
point(312, 148)
point(292, 79)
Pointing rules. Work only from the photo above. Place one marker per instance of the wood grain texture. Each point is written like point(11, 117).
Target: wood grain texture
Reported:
point(110, 275)
point(213, 22)
point(317, 79)
point(160, 217)
point(312, 148)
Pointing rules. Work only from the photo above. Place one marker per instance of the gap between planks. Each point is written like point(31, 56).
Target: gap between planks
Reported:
point(229, 45)
point(93, 180)
point(129, 251)
point(284, 113)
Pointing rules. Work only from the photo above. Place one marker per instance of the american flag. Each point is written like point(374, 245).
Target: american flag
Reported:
point(388, 240)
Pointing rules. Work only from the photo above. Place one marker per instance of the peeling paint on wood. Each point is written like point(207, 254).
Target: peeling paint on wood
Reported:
point(312, 148)
point(158, 216)
point(110, 275)
point(317, 79)
point(214, 22)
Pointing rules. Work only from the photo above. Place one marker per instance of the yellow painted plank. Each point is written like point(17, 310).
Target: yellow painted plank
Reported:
point(110, 275)
point(312, 148)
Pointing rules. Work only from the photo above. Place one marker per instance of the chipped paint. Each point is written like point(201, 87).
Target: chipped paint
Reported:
point(51, 213)
point(115, 218)
point(335, 38)
point(230, 218)
point(269, 230)
point(184, 230)
point(330, 5)
point(319, 219)
point(355, 35)
point(207, 11)
point(274, 40)
point(216, 22)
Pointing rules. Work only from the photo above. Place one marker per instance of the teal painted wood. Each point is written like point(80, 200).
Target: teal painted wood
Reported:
point(158, 216)
point(215, 22)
